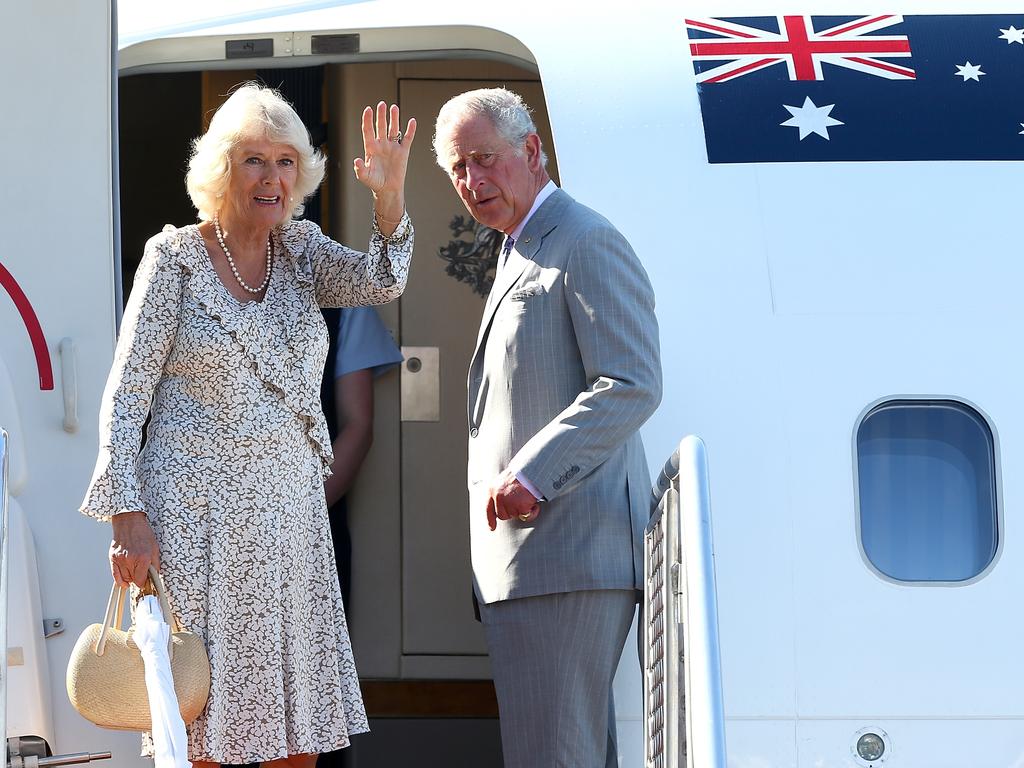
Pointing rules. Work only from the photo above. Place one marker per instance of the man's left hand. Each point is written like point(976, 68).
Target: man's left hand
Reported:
point(508, 499)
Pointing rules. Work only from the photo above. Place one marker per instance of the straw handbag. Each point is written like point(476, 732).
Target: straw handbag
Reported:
point(106, 677)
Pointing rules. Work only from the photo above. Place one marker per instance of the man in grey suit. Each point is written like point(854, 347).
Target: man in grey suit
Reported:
point(566, 370)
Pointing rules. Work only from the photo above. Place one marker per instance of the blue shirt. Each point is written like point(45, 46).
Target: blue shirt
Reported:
point(364, 342)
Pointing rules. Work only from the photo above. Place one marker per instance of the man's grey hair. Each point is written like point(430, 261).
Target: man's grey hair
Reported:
point(504, 108)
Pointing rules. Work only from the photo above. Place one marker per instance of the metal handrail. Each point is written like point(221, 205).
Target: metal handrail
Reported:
point(3, 581)
point(684, 713)
point(21, 752)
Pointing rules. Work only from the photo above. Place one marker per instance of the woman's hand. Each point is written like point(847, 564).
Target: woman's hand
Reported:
point(133, 549)
point(383, 167)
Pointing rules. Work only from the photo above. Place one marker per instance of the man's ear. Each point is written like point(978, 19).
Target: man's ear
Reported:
point(533, 152)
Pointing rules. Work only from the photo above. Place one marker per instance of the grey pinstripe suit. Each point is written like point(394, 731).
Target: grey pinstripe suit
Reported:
point(565, 372)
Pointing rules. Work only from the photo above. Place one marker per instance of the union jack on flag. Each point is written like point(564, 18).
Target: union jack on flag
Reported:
point(800, 46)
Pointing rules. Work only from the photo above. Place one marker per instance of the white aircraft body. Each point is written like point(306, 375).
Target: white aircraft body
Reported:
point(838, 327)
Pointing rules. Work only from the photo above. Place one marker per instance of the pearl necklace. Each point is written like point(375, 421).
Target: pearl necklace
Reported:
point(231, 262)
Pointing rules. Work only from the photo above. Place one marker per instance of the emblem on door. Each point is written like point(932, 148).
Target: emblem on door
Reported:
point(472, 261)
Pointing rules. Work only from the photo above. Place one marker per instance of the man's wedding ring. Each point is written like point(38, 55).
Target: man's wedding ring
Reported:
point(397, 137)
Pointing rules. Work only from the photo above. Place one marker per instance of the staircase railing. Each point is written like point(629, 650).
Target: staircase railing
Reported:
point(684, 715)
point(3, 585)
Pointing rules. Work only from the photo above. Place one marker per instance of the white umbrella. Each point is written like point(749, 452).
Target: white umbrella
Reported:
point(170, 742)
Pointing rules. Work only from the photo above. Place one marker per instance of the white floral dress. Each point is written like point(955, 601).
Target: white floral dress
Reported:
point(231, 477)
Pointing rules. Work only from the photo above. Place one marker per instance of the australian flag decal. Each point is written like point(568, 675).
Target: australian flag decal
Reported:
point(860, 88)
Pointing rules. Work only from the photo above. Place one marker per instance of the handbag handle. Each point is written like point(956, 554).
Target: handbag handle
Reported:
point(115, 611)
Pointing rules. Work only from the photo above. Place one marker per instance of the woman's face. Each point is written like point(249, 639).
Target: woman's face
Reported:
point(263, 174)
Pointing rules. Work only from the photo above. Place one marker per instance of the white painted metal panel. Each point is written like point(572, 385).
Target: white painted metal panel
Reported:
point(763, 743)
point(56, 214)
point(10, 420)
point(913, 744)
point(28, 675)
point(792, 340)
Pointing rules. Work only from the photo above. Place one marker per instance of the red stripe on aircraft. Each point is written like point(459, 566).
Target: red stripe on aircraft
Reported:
point(35, 331)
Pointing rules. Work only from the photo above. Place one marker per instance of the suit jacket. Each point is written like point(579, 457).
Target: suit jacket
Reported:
point(566, 370)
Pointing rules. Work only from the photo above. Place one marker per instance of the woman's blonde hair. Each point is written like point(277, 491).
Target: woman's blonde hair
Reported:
point(251, 112)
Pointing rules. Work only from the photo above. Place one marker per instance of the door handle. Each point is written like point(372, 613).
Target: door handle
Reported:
point(69, 384)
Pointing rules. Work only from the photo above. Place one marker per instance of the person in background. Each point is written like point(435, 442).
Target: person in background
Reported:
point(361, 350)
point(566, 370)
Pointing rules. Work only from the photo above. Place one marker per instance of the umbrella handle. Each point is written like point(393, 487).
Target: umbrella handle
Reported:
point(165, 603)
point(114, 615)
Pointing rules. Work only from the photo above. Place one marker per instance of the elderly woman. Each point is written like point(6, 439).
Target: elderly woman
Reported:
point(222, 346)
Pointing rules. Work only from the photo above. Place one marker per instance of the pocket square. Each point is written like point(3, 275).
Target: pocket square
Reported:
point(525, 291)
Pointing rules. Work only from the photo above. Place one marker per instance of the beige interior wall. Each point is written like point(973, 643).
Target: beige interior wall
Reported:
point(217, 85)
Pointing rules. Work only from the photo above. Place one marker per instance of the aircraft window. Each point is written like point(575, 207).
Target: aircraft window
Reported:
point(927, 490)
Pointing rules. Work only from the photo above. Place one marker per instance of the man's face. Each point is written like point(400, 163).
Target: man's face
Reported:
point(496, 181)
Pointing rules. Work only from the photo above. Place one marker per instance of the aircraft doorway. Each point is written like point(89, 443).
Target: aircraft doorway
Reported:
point(419, 650)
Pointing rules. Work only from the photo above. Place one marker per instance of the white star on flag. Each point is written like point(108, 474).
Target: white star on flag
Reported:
point(811, 118)
point(1021, 132)
point(1012, 35)
point(969, 71)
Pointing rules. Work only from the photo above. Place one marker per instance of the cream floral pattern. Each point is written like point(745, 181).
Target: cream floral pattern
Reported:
point(231, 477)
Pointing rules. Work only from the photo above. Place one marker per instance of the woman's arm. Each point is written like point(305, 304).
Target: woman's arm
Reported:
point(148, 329)
point(345, 277)
point(348, 278)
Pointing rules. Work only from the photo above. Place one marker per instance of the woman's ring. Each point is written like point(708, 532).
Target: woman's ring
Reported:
point(397, 137)
point(525, 518)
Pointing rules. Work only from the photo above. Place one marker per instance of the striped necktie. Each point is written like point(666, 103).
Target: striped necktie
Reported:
point(506, 250)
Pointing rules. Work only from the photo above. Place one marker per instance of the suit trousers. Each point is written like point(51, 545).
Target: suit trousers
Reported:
point(554, 659)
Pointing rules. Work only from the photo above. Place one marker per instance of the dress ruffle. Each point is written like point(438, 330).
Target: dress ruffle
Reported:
point(263, 342)
point(276, 343)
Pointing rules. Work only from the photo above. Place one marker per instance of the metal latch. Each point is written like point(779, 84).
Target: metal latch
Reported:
point(675, 579)
point(421, 384)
